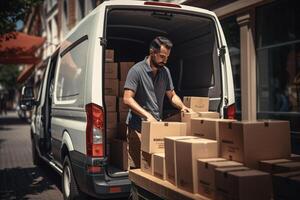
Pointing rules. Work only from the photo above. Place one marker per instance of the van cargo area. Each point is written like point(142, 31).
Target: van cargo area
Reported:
point(194, 64)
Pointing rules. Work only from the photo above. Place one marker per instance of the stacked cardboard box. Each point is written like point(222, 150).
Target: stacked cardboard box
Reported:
point(250, 142)
point(286, 185)
point(198, 104)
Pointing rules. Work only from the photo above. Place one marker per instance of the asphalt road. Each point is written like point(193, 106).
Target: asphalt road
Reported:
point(19, 178)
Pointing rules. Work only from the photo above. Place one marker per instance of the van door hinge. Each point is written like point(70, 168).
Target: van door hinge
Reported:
point(221, 51)
point(103, 41)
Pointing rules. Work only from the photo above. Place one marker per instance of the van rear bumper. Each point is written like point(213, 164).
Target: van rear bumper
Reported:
point(97, 185)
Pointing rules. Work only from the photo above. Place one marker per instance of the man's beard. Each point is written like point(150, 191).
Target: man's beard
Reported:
point(156, 64)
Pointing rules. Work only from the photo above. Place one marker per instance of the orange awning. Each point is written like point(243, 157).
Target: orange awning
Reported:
point(19, 48)
point(27, 71)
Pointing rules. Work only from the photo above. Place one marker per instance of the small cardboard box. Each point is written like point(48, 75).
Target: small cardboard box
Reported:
point(187, 153)
point(111, 87)
point(159, 165)
point(286, 185)
point(109, 55)
point(198, 104)
point(206, 174)
point(110, 102)
point(269, 165)
point(187, 117)
point(122, 117)
point(111, 70)
point(124, 68)
point(147, 162)
point(244, 185)
point(170, 156)
point(118, 153)
point(153, 134)
point(121, 88)
point(250, 142)
point(111, 120)
point(122, 107)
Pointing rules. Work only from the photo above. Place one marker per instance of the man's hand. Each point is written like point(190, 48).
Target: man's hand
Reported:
point(150, 118)
point(186, 109)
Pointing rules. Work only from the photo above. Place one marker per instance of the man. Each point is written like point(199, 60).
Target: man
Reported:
point(146, 85)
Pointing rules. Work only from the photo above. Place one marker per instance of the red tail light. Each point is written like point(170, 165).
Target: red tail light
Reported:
point(230, 112)
point(94, 130)
point(162, 4)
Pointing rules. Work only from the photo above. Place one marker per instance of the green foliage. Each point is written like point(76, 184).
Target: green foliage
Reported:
point(13, 10)
point(8, 76)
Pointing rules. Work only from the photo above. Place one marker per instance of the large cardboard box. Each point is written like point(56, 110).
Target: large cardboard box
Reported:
point(109, 55)
point(123, 117)
point(111, 87)
point(122, 107)
point(286, 185)
point(206, 174)
point(121, 88)
point(187, 117)
point(110, 102)
point(249, 142)
point(122, 131)
point(159, 165)
point(170, 157)
point(200, 104)
point(287, 167)
point(124, 68)
point(111, 120)
point(111, 70)
point(153, 134)
point(118, 153)
point(269, 165)
point(147, 162)
point(243, 185)
point(187, 153)
point(111, 133)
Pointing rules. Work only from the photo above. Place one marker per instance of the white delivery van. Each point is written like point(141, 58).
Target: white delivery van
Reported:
point(70, 123)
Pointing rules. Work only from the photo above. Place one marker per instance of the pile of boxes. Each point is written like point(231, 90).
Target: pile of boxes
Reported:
point(220, 158)
point(116, 110)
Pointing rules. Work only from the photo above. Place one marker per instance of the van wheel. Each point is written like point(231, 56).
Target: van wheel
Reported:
point(69, 186)
point(35, 155)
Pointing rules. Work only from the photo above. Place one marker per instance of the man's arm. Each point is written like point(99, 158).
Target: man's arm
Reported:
point(136, 108)
point(176, 101)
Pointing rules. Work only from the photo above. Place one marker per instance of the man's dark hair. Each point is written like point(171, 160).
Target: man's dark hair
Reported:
point(160, 40)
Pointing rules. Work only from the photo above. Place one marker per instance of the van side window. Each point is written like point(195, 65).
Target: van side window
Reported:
point(70, 83)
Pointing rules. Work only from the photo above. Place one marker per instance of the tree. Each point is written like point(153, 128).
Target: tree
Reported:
point(8, 76)
point(12, 11)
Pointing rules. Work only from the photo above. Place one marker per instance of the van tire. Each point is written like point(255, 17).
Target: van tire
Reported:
point(37, 161)
point(69, 187)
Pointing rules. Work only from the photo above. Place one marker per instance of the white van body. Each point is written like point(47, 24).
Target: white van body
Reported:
point(73, 86)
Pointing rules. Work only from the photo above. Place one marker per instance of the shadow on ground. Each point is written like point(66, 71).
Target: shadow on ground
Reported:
point(23, 183)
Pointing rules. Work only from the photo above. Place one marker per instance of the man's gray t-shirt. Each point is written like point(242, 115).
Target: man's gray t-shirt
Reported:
point(149, 91)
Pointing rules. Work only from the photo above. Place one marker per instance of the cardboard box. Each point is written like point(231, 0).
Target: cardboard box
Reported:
point(121, 106)
point(122, 131)
point(146, 162)
point(251, 142)
point(287, 167)
point(170, 157)
point(153, 134)
point(187, 117)
point(111, 120)
point(122, 117)
point(118, 153)
point(109, 55)
point(110, 103)
point(243, 185)
point(111, 70)
point(198, 104)
point(286, 185)
point(124, 68)
point(121, 88)
point(159, 165)
point(269, 165)
point(187, 153)
point(206, 174)
point(111, 87)
point(173, 118)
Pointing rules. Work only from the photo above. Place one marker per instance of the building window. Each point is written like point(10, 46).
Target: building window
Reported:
point(232, 34)
point(65, 8)
point(80, 9)
point(278, 57)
